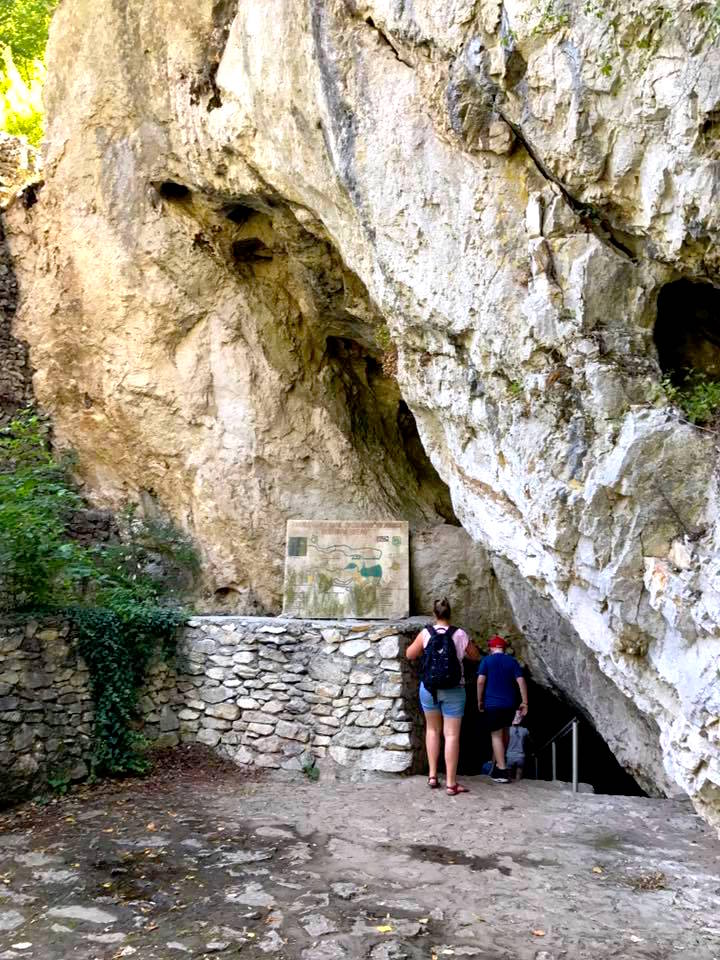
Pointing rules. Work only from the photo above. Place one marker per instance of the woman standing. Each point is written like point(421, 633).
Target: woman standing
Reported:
point(442, 690)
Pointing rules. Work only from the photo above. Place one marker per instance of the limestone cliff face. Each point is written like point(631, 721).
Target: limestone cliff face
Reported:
point(255, 211)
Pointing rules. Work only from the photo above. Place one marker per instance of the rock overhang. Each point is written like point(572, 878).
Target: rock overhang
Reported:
point(529, 363)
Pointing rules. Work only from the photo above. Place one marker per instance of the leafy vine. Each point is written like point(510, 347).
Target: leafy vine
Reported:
point(123, 596)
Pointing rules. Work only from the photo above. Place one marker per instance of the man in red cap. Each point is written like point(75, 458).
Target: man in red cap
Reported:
point(499, 677)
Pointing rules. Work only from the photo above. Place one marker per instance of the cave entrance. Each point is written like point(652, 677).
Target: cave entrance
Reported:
point(687, 330)
point(548, 714)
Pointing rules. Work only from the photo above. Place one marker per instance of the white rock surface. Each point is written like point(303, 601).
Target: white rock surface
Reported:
point(499, 190)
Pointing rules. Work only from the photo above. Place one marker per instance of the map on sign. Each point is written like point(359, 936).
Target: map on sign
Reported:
point(337, 570)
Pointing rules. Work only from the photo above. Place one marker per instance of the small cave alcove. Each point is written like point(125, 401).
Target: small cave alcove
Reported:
point(170, 190)
point(687, 330)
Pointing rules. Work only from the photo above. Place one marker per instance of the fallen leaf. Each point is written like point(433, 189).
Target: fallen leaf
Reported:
point(597, 870)
point(634, 939)
point(150, 827)
point(538, 933)
point(424, 920)
point(384, 928)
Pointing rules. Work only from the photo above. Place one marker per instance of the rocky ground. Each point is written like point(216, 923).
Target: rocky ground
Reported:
point(202, 860)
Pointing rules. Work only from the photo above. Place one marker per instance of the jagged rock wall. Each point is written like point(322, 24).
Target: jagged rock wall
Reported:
point(19, 163)
point(259, 209)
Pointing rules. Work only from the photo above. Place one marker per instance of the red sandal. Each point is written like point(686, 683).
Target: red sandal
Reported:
point(433, 783)
point(455, 789)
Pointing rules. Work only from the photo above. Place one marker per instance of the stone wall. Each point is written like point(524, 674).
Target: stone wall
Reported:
point(45, 706)
point(46, 711)
point(268, 692)
point(276, 692)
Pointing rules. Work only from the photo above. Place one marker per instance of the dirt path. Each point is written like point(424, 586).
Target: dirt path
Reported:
point(201, 862)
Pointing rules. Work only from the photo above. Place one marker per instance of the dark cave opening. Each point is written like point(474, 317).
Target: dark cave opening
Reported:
point(687, 330)
point(251, 250)
point(425, 472)
point(170, 190)
point(382, 423)
point(547, 715)
point(239, 213)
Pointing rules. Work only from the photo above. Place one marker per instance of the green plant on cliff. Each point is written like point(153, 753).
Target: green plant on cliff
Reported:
point(123, 597)
point(40, 566)
point(698, 397)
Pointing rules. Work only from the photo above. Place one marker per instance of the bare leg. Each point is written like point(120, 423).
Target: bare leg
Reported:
point(451, 730)
point(433, 732)
point(498, 745)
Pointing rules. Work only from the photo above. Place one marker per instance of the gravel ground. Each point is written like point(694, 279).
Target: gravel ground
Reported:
point(203, 860)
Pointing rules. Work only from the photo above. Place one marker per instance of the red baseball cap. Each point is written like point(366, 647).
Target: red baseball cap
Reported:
point(497, 641)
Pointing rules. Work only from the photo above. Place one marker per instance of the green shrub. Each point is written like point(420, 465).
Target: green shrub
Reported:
point(698, 397)
point(40, 567)
point(152, 561)
point(29, 124)
point(122, 597)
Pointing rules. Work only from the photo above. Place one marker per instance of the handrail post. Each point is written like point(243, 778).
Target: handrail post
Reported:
point(575, 756)
point(553, 747)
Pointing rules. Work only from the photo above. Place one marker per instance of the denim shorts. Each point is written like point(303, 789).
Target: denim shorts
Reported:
point(451, 703)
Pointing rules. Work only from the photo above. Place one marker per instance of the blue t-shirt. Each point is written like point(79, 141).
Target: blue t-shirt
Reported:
point(501, 689)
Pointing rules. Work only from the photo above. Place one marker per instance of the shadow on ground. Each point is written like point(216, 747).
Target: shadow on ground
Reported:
point(201, 860)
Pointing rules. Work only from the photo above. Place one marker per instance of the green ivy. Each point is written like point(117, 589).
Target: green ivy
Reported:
point(123, 598)
point(117, 646)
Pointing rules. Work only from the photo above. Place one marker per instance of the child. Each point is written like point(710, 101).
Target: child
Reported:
point(517, 745)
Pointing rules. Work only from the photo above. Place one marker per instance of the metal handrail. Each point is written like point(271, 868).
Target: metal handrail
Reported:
point(572, 725)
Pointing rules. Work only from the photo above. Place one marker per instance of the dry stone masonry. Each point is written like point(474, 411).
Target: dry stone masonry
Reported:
point(283, 694)
point(46, 710)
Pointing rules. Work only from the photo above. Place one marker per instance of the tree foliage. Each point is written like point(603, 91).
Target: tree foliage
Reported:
point(24, 26)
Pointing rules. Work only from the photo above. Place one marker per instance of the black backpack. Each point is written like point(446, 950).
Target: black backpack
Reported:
point(441, 668)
